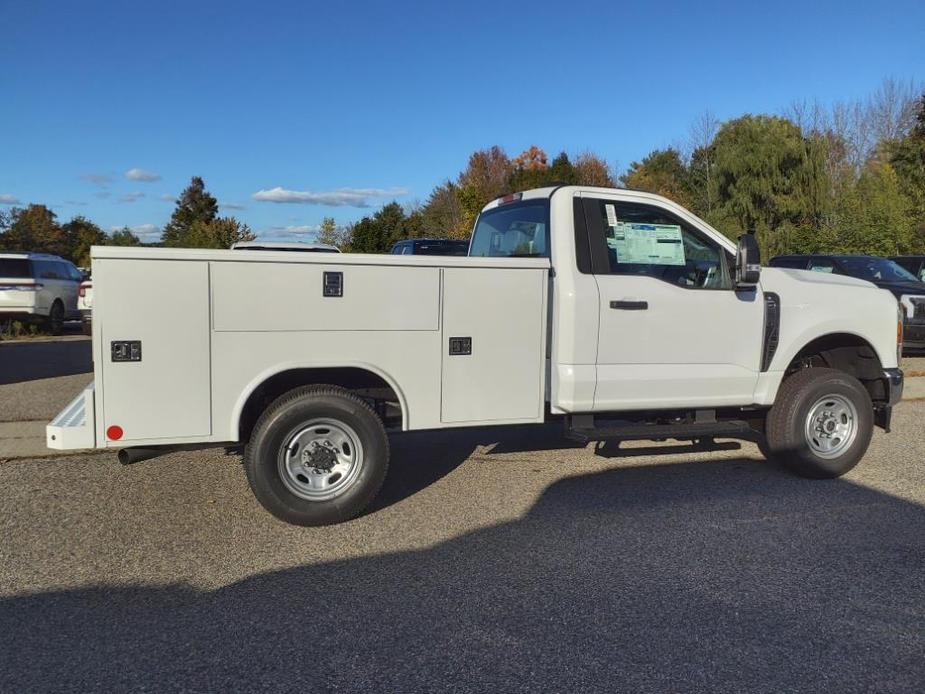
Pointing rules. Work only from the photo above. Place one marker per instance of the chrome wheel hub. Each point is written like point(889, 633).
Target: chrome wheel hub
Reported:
point(831, 426)
point(321, 459)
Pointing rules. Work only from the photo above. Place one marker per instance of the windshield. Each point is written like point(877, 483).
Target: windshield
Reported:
point(513, 231)
point(876, 270)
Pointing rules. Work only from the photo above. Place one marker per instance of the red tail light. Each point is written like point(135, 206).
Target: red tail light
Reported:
point(83, 289)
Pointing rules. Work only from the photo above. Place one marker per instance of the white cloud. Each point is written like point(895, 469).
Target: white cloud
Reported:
point(232, 206)
point(101, 180)
point(131, 197)
point(142, 175)
point(103, 194)
point(79, 203)
point(143, 231)
point(7, 199)
point(342, 197)
point(167, 197)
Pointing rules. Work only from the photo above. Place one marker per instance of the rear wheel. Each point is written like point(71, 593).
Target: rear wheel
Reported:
point(56, 318)
point(821, 423)
point(317, 455)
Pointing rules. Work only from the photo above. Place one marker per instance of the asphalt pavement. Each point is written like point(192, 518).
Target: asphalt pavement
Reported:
point(494, 560)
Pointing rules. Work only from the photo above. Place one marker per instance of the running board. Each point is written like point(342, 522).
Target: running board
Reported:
point(635, 431)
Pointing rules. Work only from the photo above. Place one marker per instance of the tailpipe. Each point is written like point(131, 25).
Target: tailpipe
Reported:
point(127, 456)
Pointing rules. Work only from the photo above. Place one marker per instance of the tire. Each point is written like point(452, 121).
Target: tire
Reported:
point(55, 321)
point(318, 455)
point(820, 424)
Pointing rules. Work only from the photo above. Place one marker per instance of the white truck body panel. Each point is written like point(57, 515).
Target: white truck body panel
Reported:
point(214, 325)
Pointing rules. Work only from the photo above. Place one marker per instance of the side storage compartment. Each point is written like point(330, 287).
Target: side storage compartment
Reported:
point(494, 342)
point(151, 343)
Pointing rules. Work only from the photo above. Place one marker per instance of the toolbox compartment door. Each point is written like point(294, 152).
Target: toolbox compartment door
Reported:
point(493, 345)
point(153, 329)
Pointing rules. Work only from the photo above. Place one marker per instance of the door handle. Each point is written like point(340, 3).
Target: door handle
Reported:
point(630, 305)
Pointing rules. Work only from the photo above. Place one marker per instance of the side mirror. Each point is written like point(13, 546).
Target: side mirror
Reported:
point(748, 262)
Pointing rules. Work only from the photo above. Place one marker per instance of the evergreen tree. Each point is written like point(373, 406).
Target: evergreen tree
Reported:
point(195, 204)
point(81, 234)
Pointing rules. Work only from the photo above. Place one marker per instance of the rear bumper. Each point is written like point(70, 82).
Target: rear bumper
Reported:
point(75, 426)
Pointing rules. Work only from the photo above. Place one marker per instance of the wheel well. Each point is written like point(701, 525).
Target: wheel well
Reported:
point(366, 384)
point(845, 352)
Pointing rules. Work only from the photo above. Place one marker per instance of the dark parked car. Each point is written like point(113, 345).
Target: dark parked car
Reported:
point(913, 263)
point(908, 289)
point(431, 247)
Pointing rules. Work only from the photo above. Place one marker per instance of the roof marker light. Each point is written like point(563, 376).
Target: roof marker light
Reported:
point(510, 197)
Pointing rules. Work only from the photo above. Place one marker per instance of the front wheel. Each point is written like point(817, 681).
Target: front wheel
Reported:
point(318, 455)
point(821, 423)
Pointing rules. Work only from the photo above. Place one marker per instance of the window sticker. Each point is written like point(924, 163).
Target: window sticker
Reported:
point(648, 244)
point(611, 215)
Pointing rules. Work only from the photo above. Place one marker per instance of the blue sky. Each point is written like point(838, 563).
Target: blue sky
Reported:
point(107, 109)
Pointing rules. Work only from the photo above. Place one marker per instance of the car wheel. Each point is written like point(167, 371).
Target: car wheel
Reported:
point(318, 455)
point(56, 318)
point(820, 424)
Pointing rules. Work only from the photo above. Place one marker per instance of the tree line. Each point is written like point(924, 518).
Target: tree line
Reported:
point(849, 177)
point(194, 224)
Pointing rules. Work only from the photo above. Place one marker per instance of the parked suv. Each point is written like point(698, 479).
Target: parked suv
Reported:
point(908, 289)
point(38, 287)
point(430, 247)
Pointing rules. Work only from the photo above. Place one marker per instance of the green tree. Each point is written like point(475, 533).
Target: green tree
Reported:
point(875, 216)
point(376, 234)
point(907, 157)
point(34, 228)
point(195, 204)
point(217, 233)
point(763, 173)
point(661, 172)
point(442, 214)
point(81, 234)
point(330, 233)
point(123, 237)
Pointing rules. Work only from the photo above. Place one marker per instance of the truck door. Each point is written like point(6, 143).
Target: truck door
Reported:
point(673, 331)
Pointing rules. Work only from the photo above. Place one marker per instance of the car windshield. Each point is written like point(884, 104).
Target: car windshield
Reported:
point(876, 270)
point(15, 268)
point(518, 230)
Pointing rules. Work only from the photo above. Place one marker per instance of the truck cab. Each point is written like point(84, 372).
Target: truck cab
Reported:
point(618, 313)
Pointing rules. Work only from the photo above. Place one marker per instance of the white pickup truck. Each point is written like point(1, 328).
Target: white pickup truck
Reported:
point(617, 312)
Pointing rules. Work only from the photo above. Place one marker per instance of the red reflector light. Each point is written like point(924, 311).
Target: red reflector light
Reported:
point(114, 432)
point(511, 197)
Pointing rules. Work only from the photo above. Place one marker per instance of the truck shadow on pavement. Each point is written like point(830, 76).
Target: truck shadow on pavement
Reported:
point(723, 576)
point(28, 361)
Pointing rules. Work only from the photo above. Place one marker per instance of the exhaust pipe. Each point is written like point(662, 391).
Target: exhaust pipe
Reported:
point(127, 456)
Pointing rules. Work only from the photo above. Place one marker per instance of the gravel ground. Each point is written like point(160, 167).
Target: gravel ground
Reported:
point(495, 560)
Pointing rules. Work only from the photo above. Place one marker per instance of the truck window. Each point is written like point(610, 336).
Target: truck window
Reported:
point(647, 240)
point(519, 230)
